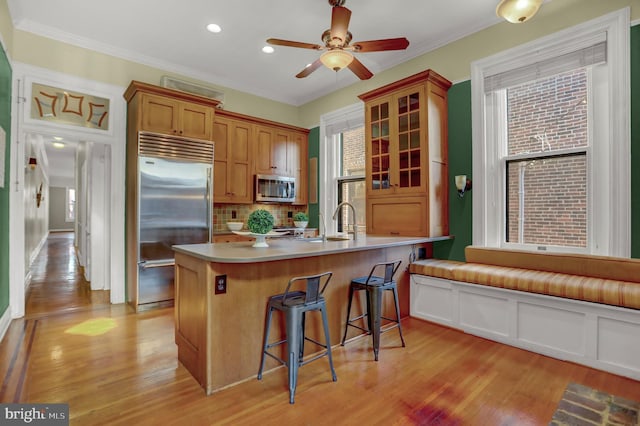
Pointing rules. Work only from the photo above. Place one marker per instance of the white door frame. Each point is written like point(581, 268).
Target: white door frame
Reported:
point(111, 250)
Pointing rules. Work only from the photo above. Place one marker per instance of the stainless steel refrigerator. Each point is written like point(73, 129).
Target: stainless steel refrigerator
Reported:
point(174, 207)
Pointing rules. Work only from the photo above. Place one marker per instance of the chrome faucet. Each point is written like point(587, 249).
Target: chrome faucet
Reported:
point(324, 227)
point(353, 210)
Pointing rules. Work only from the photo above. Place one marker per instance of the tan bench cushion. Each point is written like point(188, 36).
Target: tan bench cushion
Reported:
point(589, 289)
point(599, 279)
point(435, 268)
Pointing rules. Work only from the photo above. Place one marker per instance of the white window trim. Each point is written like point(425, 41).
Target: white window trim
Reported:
point(611, 224)
point(346, 118)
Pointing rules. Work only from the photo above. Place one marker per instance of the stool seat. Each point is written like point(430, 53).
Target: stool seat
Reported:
point(375, 286)
point(294, 304)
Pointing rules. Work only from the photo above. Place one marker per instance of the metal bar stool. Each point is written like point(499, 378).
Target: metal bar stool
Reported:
point(375, 287)
point(294, 305)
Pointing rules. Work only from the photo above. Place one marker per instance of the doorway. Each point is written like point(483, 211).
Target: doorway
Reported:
point(106, 151)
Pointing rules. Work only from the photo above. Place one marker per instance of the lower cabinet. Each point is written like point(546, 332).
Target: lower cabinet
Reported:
point(397, 216)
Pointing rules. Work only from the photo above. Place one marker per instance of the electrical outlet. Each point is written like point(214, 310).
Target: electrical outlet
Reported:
point(289, 214)
point(221, 284)
point(233, 214)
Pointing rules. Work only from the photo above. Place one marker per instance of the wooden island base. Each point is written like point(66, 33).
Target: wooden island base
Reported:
point(219, 336)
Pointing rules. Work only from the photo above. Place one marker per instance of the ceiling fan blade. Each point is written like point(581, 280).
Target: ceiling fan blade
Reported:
point(360, 70)
point(309, 69)
point(340, 17)
point(380, 45)
point(279, 42)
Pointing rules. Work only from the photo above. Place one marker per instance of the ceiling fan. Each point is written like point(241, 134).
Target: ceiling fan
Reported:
point(337, 49)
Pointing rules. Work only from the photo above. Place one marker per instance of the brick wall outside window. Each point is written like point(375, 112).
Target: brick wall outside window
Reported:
point(353, 165)
point(543, 116)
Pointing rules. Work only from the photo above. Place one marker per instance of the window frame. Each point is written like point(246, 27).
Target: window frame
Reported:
point(610, 97)
point(332, 125)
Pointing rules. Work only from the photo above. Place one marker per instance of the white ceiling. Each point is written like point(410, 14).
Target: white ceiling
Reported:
point(171, 35)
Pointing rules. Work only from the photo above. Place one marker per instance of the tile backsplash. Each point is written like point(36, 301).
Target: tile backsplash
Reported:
point(223, 213)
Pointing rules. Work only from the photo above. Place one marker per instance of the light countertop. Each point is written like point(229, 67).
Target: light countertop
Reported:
point(291, 248)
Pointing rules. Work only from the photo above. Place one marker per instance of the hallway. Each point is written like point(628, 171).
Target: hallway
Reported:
point(57, 281)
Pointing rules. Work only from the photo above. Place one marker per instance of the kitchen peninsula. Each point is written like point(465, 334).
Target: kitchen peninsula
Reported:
point(221, 293)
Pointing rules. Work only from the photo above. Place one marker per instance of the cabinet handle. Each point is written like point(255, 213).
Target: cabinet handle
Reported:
point(394, 233)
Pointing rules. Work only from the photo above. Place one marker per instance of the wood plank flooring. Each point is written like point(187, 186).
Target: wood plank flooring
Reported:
point(115, 367)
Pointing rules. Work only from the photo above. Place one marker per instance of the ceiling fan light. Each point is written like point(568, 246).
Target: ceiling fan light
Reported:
point(518, 11)
point(336, 59)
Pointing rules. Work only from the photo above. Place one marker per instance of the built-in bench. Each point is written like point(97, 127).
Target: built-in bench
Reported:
point(580, 308)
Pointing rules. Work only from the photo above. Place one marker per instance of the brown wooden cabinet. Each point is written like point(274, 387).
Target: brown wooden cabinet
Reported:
point(270, 151)
point(406, 157)
point(297, 154)
point(232, 161)
point(246, 146)
point(230, 238)
point(162, 114)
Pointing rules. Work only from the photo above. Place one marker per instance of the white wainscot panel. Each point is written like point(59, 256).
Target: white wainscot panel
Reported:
point(432, 299)
point(484, 313)
point(615, 345)
point(557, 329)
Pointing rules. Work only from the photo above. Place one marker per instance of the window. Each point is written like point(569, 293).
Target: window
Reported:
point(70, 213)
point(551, 142)
point(351, 182)
point(546, 161)
point(342, 166)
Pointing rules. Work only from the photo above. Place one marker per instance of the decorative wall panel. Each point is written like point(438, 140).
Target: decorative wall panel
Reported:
point(68, 107)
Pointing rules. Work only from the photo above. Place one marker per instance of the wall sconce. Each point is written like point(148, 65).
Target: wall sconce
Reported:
point(463, 184)
point(33, 163)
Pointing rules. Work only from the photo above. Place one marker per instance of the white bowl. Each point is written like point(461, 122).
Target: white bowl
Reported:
point(234, 226)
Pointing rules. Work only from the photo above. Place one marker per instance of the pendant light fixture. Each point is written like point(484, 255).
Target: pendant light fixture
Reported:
point(518, 11)
point(336, 59)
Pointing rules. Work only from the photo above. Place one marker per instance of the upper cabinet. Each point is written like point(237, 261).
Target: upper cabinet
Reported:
point(246, 146)
point(270, 151)
point(171, 112)
point(406, 156)
point(232, 161)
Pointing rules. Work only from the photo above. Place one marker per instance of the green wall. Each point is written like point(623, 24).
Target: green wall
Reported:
point(5, 122)
point(460, 161)
point(314, 151)
point(459, 164)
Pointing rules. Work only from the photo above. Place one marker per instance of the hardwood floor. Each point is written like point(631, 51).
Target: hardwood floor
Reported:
point(115, 367)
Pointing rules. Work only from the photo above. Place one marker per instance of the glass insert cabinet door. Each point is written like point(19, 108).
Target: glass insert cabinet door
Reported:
point(379, 145)
point(396, 147)
point(409, 146)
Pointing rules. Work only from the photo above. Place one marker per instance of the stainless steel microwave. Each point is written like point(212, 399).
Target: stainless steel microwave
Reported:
point(275, 189)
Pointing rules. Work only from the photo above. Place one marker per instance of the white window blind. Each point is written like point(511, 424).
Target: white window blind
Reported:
point(586, 56)
point(343, 122)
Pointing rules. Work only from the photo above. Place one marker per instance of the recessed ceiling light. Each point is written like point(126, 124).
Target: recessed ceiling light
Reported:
point(267, 49)
point(58, 138)
point(58, 145)
point(214, 28)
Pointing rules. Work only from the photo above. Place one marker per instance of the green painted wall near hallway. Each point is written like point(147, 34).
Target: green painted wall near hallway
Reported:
point(5, 122)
